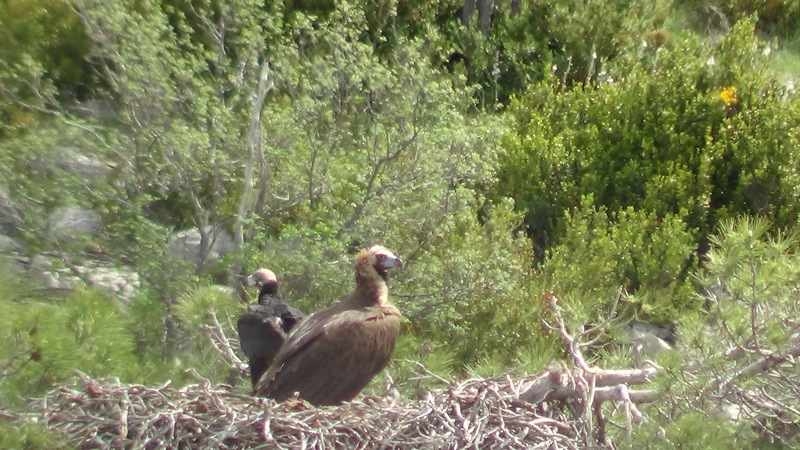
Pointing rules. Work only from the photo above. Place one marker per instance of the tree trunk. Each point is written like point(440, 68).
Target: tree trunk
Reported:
point(469, 7)
point(265, 85)
point(485, 8)
point(254, 147)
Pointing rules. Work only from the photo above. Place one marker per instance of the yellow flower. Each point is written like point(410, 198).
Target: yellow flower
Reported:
point(728, 95)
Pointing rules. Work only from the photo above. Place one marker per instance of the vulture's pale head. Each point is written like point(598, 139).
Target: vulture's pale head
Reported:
point(262, 277)
point(376, 261)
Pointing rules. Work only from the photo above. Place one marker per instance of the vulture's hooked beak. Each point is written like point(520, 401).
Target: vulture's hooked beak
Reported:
point(394, 261)
point(252, 280)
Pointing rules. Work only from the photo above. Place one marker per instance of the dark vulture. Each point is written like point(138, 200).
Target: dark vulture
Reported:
point(332, 355)
point(265, 326)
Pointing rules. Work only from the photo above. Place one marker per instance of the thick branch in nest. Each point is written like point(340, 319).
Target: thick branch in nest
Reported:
point(590, 387)
point(609, 385)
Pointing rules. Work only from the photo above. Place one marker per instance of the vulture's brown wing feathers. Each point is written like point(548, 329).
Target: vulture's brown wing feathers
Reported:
point(314, 364)
point(262, 331)
point(257, 326)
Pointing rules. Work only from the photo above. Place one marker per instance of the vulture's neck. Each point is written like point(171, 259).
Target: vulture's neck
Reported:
point(268, 294)
point(371, 289)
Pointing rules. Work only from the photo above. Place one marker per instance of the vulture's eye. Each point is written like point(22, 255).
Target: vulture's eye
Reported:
point(381, 256)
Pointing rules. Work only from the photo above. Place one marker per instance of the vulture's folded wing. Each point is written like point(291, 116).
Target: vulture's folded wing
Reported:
point(289, 317)
point(260, 334)
point(315, 363)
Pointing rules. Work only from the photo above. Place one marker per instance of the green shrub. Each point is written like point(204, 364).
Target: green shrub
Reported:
point(571, 39)
point(734, 371)
point(46, 342)
point(601, 252)
point(195, 311)
point(697, 132)
point(30, 436)
point(43, 60)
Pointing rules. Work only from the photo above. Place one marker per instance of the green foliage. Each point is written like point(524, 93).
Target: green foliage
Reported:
point(183, 95)
point(30, 437)
point(570, 39)
point(749, 287)
point(690, 431)
point(775, 17)
point(35, 167)
point(366, 147)
point(46, 342)
point(585, 35)
point(196, 311)
point(417, 365)
point(622, 150)
point(759, 273)
point(47, 31)
point(42, 61)
point(697, 132)
point(601, 252)
point(473, 290)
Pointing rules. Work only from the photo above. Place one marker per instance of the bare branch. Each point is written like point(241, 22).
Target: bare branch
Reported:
point(222, 345)
point(768, 362)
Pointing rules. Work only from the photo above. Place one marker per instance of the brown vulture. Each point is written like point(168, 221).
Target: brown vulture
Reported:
point(264, 327)
point(332, 355)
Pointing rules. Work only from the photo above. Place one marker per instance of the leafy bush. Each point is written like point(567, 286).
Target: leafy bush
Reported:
point(570, 39)
point(601, 252)
point(31, 437)
point(699, 133)
point(197, 310)
point(43, 61)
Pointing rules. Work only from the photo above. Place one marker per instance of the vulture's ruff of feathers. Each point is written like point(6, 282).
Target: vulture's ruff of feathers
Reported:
point(265, 326)
point(332, 355)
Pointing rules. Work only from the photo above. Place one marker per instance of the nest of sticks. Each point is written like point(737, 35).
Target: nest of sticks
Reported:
point(559, 408)
point(480, 413)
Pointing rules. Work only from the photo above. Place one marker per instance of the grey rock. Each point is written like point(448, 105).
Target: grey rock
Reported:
point(647, 340)
point(40, 263)
point(86, 167)
point(185, 245)
point(10, 218)
point(50, 280)
point(9, 245)
point(122, 283)
point(71, 220)
point(728, 411)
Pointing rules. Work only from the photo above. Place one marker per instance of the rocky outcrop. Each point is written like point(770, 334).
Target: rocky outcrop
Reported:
point(10, 218)
point(9, 245)
point(87, 169)
point(187, 245)
point(70, 221)
point(648, 340)
point(120, 282)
